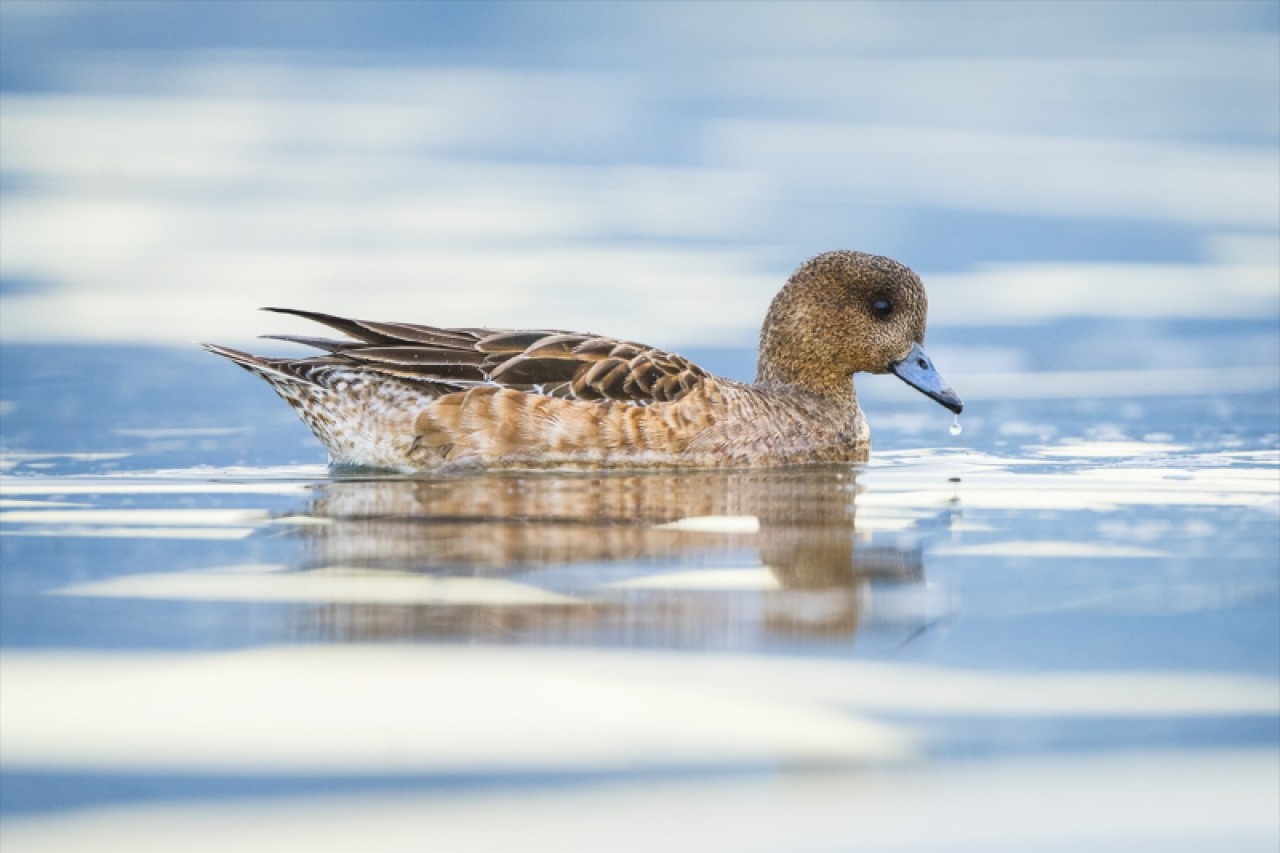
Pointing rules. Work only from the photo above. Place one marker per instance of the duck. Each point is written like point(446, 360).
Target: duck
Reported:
point(412, 397)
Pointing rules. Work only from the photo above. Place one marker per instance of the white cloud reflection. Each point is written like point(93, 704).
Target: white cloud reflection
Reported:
point(1028, 293)
point(1013, 173)
point(1181, 800)
point(350, 709)
point(160, 195)
point(350, 585)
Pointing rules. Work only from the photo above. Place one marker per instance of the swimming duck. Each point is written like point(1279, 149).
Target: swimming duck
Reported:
point(411, 397)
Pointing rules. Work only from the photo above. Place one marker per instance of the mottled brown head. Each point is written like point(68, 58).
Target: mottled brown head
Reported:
point(841, 313)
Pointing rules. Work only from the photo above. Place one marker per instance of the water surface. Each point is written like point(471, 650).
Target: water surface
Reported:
point(196, 610)
point(1057, 630)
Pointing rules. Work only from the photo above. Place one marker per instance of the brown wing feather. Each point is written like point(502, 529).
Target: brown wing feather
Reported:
point(388, 334)
point(544, 362)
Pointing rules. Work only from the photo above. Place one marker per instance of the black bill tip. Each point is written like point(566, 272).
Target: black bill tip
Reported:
point(916, 369)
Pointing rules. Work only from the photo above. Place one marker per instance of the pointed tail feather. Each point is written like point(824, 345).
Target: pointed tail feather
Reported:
point(268, 369)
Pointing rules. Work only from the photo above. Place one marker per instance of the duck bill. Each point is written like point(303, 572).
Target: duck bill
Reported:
point(916, 369)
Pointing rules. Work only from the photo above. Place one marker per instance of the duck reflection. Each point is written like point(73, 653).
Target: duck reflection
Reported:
point(713, 558)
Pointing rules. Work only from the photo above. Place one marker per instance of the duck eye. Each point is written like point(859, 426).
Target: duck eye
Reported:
point(881, 308)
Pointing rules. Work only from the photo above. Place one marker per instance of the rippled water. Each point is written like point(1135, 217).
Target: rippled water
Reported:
point(1058, 629)
point(1075, 595)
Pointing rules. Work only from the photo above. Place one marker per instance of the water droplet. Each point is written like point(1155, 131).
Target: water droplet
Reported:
point(955, 426)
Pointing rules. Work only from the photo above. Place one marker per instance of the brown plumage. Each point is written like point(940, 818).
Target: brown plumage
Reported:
point(396, 395)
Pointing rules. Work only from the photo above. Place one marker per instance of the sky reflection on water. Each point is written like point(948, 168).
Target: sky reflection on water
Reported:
point(519, 166)
point(1070, 609)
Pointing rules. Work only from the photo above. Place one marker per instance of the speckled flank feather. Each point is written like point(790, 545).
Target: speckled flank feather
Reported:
point(417, 397)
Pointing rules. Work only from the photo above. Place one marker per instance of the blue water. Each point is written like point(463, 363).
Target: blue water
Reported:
point(1059, 629)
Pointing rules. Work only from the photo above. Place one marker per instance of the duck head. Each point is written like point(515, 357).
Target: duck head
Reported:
point(843, 313)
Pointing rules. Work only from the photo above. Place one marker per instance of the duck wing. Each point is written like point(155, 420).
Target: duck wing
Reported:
point(566, 365)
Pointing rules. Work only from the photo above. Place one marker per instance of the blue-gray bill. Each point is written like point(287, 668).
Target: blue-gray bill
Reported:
point(917, 371)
